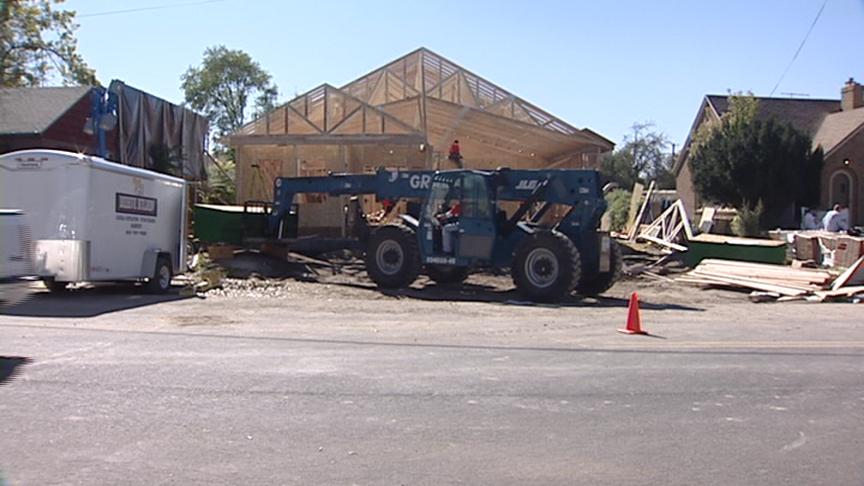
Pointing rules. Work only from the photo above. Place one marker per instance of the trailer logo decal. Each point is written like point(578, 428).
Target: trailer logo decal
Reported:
point(129, 204)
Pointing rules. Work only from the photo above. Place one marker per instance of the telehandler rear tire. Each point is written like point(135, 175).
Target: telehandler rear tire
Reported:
point(598, 283)
point(546, 266)
point(392, 257)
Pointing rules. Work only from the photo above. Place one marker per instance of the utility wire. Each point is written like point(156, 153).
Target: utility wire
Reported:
point(143, 9)
point(806, 36)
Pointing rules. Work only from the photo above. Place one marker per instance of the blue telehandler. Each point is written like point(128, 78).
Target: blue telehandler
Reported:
point(462, 225)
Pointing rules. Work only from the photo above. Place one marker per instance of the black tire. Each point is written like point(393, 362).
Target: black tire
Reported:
point(447, 274)
point(54, 286)
point(160, 282)
point(546, 266)
point(392, 257)
point(598, 283)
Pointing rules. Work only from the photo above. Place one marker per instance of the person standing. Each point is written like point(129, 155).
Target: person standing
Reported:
point(831, 221)
point(809, 221)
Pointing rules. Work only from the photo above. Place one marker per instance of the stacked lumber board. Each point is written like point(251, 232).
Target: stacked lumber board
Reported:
point(781, 280)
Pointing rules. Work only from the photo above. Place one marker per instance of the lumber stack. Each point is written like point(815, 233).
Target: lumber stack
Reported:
point(775, 279)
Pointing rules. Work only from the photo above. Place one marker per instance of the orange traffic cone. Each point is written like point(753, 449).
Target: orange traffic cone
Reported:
point(634, 322)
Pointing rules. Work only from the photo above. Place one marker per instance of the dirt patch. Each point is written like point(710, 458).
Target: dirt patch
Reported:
point(352, 283)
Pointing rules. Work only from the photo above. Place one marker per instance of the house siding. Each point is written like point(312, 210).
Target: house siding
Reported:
point(685, 189)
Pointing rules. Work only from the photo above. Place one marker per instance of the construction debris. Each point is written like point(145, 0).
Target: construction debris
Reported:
point(853, 275)
point(669, 227)
point(770, 283)
point(829, 249)
point(633, 226)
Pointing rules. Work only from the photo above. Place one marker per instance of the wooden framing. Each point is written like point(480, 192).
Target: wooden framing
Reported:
point(634, 225)
point(406, 114)
point(329, 139)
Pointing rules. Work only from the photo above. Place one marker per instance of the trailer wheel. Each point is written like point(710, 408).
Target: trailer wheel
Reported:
point(392, 256)
point(546, 266)
point(598, 283)
point(447, 274)
point(53, 285)
point(160, 282)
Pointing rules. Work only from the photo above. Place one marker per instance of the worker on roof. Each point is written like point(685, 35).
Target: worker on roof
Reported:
point(455, 154)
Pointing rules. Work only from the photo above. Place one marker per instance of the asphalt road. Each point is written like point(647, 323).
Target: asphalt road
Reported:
point(126, 398)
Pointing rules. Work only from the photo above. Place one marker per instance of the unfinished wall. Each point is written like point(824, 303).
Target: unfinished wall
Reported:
point(259, 165)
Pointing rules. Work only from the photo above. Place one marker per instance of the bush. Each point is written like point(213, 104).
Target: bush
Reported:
point(618, 208)
point(747, 221)
point(221, 187)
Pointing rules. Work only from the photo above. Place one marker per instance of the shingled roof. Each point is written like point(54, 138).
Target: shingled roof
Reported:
point(821, 119)
point(805, 115)
point(25, 111)
point(836, 128)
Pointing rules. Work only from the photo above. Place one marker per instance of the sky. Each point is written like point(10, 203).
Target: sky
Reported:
point(603, 65)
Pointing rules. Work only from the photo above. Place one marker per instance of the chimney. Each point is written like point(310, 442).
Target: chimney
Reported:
point(852, 95)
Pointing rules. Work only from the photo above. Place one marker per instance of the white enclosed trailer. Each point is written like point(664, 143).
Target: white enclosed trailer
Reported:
point(94, 220)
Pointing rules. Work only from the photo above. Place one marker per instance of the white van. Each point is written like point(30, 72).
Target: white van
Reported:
point(93, 220)
point(15, 256)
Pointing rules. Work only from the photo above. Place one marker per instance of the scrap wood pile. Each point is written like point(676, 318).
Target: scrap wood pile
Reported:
point(669, 231)
point(779, 283)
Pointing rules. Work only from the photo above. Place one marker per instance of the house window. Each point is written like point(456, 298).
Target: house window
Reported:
point(840, 188)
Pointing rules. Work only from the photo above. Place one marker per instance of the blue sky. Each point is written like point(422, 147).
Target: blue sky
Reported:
point(602, 65)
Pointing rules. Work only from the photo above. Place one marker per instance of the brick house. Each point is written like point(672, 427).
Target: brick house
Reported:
point(47, 118)
point(835, 125)
point(146, 126)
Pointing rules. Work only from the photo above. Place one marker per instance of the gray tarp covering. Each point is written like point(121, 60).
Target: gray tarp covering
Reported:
point(158, 135)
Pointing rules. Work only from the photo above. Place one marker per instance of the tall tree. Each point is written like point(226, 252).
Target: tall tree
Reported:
point(38, 45)
point(643, 156)
point(224, 84)
point(742, 160)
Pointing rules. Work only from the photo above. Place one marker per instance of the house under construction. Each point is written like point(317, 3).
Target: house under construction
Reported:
point(403, 115)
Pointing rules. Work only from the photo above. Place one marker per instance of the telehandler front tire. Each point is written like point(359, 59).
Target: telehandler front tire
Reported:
point(546, 266)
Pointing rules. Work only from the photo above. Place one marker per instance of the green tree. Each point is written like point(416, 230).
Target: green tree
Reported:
point(642, 157)
point(743, 160)
point(618, 207)
point(38, 45)
point(223, 86)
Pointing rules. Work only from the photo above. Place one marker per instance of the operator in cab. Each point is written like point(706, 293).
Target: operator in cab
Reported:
point(448, 218)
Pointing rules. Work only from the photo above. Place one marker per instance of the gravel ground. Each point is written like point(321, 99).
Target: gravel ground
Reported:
point(354, 284)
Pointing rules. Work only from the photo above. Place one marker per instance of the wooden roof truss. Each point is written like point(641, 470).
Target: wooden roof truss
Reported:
point(328, 114)
point(424, 75)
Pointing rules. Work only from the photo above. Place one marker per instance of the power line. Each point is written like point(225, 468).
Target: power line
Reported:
point(818, 14)
point(144, 9)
